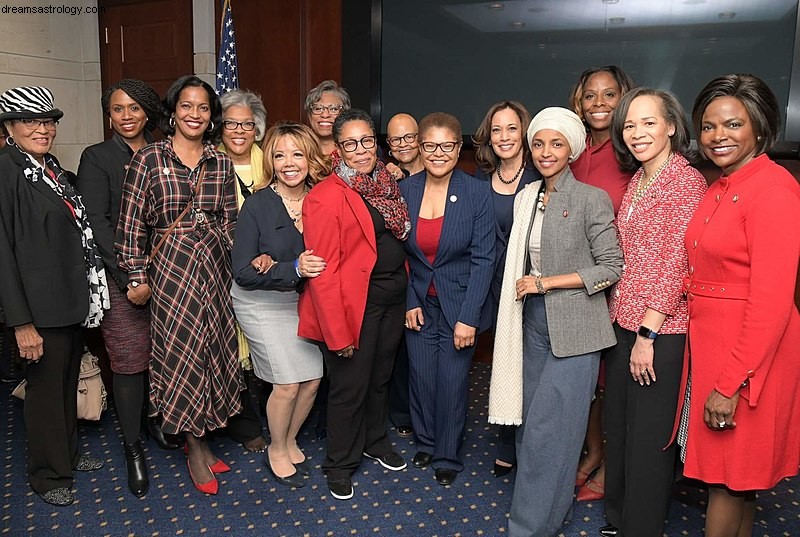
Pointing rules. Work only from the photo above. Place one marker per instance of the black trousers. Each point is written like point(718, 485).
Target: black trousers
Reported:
point(246, 425)
point(51, 409)
point(399, 413)
point(358, 396)
point(638, 422)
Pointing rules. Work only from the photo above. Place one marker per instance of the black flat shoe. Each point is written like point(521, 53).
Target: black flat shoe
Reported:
point(445, 476)
point(295, 480)
point(609, 531)
point(422, 459)
point(501, 470)
point(138, 482)
point(153, 430)
point(303, 467)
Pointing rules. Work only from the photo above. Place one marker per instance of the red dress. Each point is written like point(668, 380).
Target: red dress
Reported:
point(744, 245)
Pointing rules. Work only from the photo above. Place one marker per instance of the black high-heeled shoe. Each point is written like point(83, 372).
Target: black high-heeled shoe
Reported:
point(501, 470)
point(152, 429)
point(609, 531)
point(138, 482)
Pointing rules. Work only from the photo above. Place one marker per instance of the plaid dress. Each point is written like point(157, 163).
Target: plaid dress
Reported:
point(195, 377)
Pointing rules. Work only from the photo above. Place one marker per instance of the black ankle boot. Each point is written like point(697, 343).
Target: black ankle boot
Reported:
point(153, 430)
point(137, 468)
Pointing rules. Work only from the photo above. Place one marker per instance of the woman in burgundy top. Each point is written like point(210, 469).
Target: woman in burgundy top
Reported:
point(594, 98)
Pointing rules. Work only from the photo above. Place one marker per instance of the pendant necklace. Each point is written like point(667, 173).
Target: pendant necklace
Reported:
point(295, 215)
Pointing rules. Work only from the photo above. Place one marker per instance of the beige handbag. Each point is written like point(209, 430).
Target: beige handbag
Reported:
point(91, 390)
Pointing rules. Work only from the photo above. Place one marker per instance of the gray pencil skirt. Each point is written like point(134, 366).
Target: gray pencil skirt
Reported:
point(269, 322)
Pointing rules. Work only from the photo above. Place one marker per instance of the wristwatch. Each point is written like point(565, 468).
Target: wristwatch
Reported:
point(647, 333)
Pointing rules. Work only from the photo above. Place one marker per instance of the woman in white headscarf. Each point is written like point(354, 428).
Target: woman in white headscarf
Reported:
point(552, 322)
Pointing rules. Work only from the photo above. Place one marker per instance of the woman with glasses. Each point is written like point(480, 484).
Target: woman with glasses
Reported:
point(451, 261)
point(552, 322)
point(356, 220)
point(244, 121)
point(323, 104)
point(504, 162)
point(134, 110)
point(401, 136)
point(52, 284)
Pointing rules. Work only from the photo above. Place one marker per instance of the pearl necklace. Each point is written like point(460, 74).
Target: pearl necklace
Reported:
point(516, 176)
point(295, 215)
point(645, 183)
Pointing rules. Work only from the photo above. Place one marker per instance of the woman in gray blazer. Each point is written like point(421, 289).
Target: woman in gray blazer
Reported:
point(552, 322)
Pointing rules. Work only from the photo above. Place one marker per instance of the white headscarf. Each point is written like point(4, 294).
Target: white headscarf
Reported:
point(564, 121)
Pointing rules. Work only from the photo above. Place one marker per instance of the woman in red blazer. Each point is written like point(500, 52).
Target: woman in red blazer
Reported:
point(356, 220)
point(649, 132)
point(738, 429)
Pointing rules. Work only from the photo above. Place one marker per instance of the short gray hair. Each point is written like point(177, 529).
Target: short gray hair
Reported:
point(327, 86)
point(253, 102)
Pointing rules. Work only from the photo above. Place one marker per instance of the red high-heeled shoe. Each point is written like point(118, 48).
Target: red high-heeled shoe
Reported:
point(218, 467)
point(211, 487)
point(591, 491)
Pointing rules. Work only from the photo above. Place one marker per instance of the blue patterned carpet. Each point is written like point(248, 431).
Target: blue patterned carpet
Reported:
point(250, 502)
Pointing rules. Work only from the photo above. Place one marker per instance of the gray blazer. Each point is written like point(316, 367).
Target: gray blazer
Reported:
point(578, 235)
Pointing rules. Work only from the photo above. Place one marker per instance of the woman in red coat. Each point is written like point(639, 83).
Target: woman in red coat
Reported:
point(738, 429)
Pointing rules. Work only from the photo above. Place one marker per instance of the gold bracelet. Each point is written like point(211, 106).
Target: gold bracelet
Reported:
point(539, 286)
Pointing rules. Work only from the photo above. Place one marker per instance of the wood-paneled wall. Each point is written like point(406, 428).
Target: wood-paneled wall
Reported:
point(285, 48)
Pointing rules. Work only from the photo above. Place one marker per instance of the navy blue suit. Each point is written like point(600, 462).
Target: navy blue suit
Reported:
point(462, 273)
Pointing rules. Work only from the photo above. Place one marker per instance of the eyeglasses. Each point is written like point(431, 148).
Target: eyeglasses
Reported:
point(333, 109)
point(431, 147)
point(367, 142)
point(231, 125)
point(33, 124)
point(408, 138)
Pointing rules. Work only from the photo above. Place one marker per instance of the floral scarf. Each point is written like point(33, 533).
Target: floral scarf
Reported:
point(95, 271)
point(380, 190)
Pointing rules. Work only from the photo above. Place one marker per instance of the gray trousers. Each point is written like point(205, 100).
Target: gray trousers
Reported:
point(557, 393)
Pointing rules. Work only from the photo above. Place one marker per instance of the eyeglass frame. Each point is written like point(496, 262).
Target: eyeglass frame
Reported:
point(237, 124)
point(439, 146)
point(33, 124)
point(394, 141)
point(333, 109)
point(344, 143)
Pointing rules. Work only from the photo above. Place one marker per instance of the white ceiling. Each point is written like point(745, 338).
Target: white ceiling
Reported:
point(555, 15)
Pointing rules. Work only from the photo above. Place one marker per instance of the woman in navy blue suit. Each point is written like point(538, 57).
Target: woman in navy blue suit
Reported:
point(451, 261)
point(504, 161)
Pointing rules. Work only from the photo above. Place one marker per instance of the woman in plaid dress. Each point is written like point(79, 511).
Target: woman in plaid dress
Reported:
point(194, 371)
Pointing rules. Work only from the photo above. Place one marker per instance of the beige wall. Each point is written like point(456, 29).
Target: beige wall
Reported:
point(60, 51)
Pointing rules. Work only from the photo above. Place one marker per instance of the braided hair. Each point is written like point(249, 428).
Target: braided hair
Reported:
point(141, 92)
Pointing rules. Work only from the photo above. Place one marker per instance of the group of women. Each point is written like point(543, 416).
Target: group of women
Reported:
point(586, 234)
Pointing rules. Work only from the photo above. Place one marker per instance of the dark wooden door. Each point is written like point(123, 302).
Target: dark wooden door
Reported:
point(150, 40)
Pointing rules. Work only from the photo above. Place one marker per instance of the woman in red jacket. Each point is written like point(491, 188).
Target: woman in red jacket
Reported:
point(738, 429)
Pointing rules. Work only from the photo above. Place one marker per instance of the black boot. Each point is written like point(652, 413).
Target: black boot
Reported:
point(153, 430)
point(137, 468)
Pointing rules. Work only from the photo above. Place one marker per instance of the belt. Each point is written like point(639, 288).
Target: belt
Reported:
point(735, 291)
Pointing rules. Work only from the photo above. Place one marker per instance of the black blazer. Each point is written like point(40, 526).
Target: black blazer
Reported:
point(42, 269)
point(264, 227)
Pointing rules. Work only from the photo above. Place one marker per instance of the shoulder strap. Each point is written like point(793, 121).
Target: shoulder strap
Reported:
point(178, 220)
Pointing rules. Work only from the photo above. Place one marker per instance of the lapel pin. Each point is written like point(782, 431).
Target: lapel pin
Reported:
point(453, 198)
point(735, 198)
point(565, 213)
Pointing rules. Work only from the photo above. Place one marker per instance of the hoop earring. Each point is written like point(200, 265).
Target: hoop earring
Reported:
point(110, 124)
point(210, 126)
point(10, 141)
point(172, 121)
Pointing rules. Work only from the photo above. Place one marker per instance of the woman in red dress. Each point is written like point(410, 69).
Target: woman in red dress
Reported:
point(738, 429)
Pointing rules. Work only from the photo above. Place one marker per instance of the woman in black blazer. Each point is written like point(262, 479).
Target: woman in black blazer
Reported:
point(269, 265)
point(134, 109)
point(52, 283)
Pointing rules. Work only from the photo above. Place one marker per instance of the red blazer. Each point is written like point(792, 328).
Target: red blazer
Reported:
point(651, 237)
point(338, 227)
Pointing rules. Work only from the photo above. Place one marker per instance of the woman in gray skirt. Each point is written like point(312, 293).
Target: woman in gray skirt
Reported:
point(269, 266)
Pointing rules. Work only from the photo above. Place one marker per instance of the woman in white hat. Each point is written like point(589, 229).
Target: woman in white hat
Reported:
point(552, 322)
point(52, 283)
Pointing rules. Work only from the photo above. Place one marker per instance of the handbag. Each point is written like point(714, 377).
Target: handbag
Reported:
point(92, 395)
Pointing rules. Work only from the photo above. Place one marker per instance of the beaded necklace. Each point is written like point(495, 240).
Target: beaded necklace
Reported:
point(645, 183)
point(516, 175)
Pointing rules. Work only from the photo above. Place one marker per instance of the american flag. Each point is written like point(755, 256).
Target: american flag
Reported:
point(227, 69)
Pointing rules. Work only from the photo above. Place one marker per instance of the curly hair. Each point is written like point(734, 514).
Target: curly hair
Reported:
point(144, 95)
point(250, 100)
point(484, 154)
point(319, 165)
point(441, 120)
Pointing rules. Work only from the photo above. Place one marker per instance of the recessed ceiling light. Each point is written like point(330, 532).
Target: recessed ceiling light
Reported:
point(518, 25)
point(694, 2)
point(616, 20)
point(726, 15)
point(496, 6)
point(610, 1)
